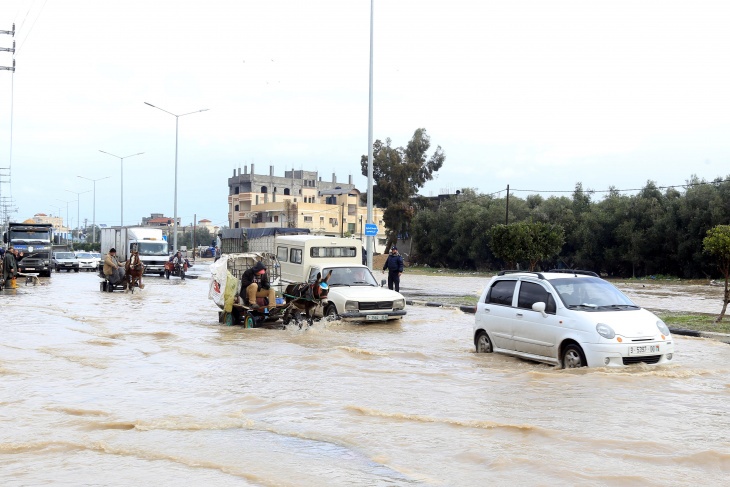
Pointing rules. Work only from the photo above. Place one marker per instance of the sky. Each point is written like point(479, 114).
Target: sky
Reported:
point(538, 95)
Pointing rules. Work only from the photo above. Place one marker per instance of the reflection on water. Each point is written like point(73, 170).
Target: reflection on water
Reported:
point(150, 387)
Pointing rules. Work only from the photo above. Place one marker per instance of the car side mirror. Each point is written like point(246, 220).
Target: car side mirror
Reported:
point(383, 282)
point(540, 308)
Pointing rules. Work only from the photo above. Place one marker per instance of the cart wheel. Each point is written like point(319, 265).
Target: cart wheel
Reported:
point(249, 323)
point(228, 318)
point(102, 287)
point(220, 316)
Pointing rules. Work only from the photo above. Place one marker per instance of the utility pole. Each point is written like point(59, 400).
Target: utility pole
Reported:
point(506, 211)
point(9, 49)
point(6, 202)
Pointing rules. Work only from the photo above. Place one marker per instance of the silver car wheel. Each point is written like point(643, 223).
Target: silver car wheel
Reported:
point(573, 358)
point(483, 343)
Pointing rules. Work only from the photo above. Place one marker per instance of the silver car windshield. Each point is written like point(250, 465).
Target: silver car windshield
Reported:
point(65, 255)
point(590, 292)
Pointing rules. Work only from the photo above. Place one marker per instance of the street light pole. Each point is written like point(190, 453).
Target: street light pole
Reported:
point(121, 165)
point(177, 118)
point(93, 224)
point(78, 219)
point(58, 214)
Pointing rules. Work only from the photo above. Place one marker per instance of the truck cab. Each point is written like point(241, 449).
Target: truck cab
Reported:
point(34, 241)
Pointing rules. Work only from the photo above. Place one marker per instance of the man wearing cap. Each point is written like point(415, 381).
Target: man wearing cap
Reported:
point(10, 265)
point(113, 269)
point(394, 264)
point(255, 284)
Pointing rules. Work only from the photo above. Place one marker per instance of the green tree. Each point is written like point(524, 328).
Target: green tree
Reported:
point(527, 241)
point(717, 244)
point(398, 174)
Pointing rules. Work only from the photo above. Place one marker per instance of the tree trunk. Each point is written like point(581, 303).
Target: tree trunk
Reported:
point(725, 300)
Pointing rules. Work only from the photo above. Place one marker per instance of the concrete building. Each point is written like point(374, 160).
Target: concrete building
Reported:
point(299, 199)
point(207, 224)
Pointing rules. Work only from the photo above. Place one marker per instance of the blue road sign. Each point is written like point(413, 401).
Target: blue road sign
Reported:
point(371, 229)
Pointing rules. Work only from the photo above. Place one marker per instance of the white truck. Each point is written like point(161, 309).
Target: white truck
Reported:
point(150, 242)
point(354, 293)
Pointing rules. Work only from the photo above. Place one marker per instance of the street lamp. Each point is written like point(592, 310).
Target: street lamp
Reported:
point(121, 164)
point(78, 220)
point(177, 118)
point(67, 222)
point(93, 225)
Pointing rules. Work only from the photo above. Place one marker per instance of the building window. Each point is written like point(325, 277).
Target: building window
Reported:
point(307, 219)
point(235, 225)
point(236, 190)
point(286, 192)
point(236, 207)
point(264, 189)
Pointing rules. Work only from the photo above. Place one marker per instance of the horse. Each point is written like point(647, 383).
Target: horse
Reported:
point(134, 269)
point(306, 297)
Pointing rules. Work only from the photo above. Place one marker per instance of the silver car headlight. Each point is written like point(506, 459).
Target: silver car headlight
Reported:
point(662, 327)
point(399, 304)
point(352, 306)
point(605, 331)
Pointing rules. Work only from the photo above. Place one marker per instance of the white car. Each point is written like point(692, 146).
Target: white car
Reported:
point(87, 262)
point(567, 318)
point(65, 261)
point(354, 295)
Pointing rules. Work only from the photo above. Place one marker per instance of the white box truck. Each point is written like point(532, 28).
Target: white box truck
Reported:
point(150, 242)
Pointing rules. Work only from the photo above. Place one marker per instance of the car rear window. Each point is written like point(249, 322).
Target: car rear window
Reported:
point(501, 293)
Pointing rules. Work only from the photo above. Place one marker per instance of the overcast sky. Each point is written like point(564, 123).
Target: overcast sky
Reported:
point(536, 94)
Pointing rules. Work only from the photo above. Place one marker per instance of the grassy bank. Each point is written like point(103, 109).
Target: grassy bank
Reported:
point(695, 321)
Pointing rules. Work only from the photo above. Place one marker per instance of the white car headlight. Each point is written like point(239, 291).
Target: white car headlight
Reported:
point(662, 327)
point(352, 306)
point(605, 331)
point(399, 304)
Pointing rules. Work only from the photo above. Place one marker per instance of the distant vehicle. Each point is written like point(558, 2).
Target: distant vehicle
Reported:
point(149, 242)
point(35, 242)
point(87, 261)
point(567, 318)
point(65, 261)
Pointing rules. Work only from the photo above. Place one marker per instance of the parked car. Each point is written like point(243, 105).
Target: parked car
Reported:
point(87, 261)
point(65, 261)
point(567, 318)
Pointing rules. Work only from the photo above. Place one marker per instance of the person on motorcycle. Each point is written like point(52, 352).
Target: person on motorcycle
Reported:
point(255, 284)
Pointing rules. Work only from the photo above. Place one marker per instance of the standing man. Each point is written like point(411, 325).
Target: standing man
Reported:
point(394, 264)
point(10, 266)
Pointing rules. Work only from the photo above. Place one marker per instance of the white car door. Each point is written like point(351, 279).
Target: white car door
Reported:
point(496, 313)
point(533, 332)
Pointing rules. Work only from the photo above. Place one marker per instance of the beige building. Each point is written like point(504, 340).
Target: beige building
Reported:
point(300, 199)
point(207, 224)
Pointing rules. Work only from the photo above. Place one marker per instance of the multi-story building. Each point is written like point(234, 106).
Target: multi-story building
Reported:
point(299, 199)
point(59, 230)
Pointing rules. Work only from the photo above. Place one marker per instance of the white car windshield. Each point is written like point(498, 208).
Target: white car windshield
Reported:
point(83, 255)
point(591, 293)
point(350, 276)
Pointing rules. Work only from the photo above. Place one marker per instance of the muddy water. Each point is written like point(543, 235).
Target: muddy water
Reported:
point(148, 389)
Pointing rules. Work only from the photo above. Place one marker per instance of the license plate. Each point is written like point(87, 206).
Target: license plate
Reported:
point(644, 350)
point(30, 268)
point(377, 317)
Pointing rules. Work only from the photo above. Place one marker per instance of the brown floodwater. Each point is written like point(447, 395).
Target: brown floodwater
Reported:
point(122, 389)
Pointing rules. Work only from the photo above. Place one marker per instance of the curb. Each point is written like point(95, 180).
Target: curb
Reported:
point(722, 337)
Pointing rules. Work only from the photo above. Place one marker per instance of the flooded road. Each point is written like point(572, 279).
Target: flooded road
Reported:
point(147, 388)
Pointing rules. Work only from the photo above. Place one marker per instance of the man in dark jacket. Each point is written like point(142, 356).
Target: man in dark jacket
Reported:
point(255, 284)
point(394, 264)
point(10, 266)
